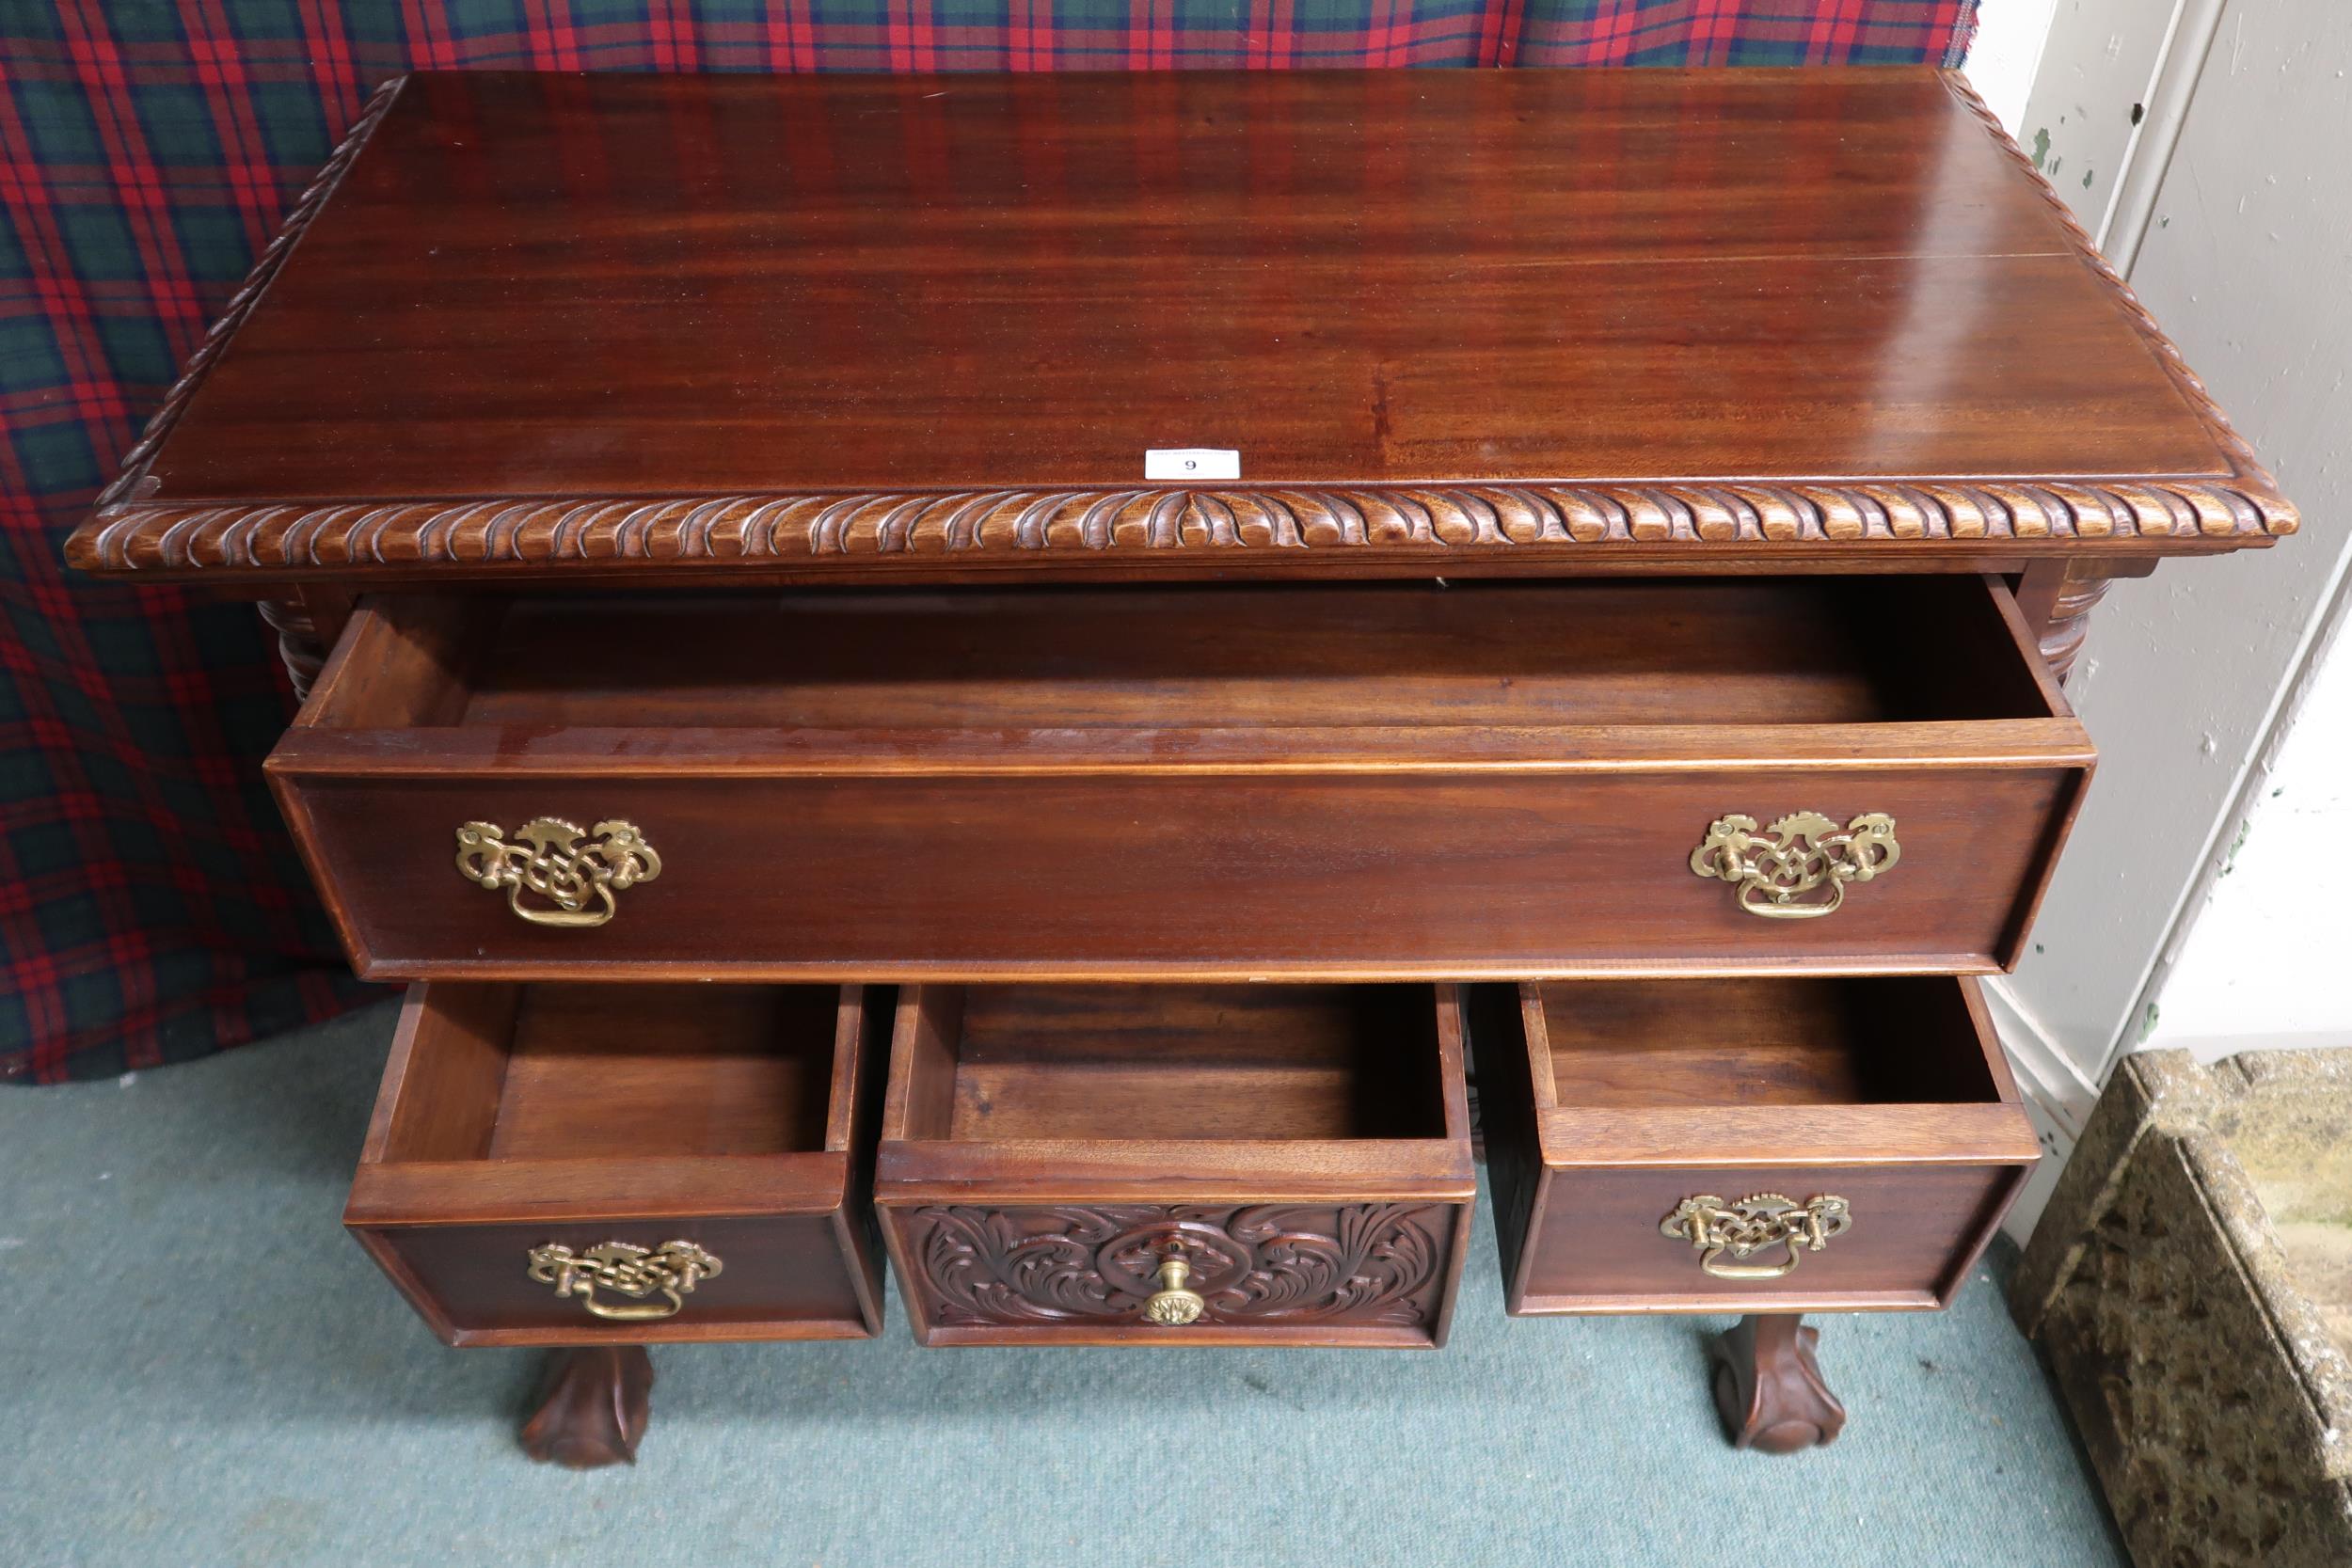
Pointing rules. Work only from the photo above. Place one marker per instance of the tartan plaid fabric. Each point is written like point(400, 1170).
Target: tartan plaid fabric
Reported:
point(151, 905)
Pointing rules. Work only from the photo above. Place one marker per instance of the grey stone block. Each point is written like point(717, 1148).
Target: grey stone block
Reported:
point(2191, 1285)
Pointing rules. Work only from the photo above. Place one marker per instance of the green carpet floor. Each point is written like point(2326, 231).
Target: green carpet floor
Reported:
point(198, 1367)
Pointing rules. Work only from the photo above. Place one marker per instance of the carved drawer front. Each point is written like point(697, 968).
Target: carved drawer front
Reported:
point(1753, 1144)
point(1306, 1268)
point(556, 1165)
point(1177, 1164)
point(1214, 784)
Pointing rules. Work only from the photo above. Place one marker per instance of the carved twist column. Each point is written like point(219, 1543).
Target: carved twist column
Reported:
point(592, 1407)
point(308, 625)
point(2070, 623)
point(299, 647)
point(1768, 1385)
point(2057, 599)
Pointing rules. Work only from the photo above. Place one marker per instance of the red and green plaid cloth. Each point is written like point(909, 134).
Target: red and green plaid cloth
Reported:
point(151, 905)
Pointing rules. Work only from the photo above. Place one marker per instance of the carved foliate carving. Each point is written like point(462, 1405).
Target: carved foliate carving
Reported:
point(1359, 1263)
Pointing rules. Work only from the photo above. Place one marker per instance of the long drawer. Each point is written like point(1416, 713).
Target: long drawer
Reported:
point(1771, 1145)
point(1311, 783)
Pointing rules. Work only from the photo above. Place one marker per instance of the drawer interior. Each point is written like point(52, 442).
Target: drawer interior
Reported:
point(541, 1073)
point(1634, 1100)
point(1762, 1043)
point(1127, 1063)
point(1683, 651)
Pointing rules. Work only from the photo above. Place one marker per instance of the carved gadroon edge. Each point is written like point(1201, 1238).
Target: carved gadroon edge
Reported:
point(820, 531)
point(1530, 522)
point(124, 492)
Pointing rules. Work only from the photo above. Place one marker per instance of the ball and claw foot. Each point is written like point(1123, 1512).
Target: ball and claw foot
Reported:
point(592, 1407)
point(1768, 1385)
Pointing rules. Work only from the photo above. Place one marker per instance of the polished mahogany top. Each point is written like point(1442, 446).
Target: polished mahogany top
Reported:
point(1496, 314)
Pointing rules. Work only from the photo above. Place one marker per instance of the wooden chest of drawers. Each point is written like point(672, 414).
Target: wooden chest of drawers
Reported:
point(826, 784)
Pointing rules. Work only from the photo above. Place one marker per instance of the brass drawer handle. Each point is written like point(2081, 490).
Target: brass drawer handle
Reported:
point(674, 1268)
point(1754, 1223)
point(1172, 1305)
point(1780, 874)
point(548, 861)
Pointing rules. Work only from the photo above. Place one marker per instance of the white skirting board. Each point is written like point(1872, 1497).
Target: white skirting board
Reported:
point(2057, 1096)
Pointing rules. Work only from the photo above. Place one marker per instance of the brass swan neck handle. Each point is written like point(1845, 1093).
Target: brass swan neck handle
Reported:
point(672, 1270)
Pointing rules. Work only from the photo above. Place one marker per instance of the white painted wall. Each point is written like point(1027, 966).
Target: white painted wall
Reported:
point(2253, 228)
point(2103, 72)
point(2242, 173)
point(2003, 55)
point(2265, 964)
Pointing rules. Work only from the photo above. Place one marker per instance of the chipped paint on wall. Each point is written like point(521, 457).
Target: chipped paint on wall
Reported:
point(2091, 96)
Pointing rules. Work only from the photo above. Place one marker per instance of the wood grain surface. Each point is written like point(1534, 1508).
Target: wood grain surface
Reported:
point(881, 325)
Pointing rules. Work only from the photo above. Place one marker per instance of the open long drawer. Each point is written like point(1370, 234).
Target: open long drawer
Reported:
point(1692, 776)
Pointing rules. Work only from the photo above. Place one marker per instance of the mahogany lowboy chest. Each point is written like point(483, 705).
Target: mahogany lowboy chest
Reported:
point(832, 790)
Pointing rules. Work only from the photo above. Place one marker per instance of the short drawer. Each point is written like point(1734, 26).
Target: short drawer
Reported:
point(1314, 782)
point(1772, 1145)
point(587, 1164)
point(1177, 1164)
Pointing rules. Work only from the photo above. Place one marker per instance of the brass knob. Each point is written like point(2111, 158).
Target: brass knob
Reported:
point(674, 1268)
point(1171, 1305)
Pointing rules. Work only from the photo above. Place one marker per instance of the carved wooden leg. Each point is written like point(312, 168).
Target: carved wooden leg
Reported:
point(593, 1406)
point(1768, 1389)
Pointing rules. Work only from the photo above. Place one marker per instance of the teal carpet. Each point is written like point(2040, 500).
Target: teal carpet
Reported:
point(198, 1367)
